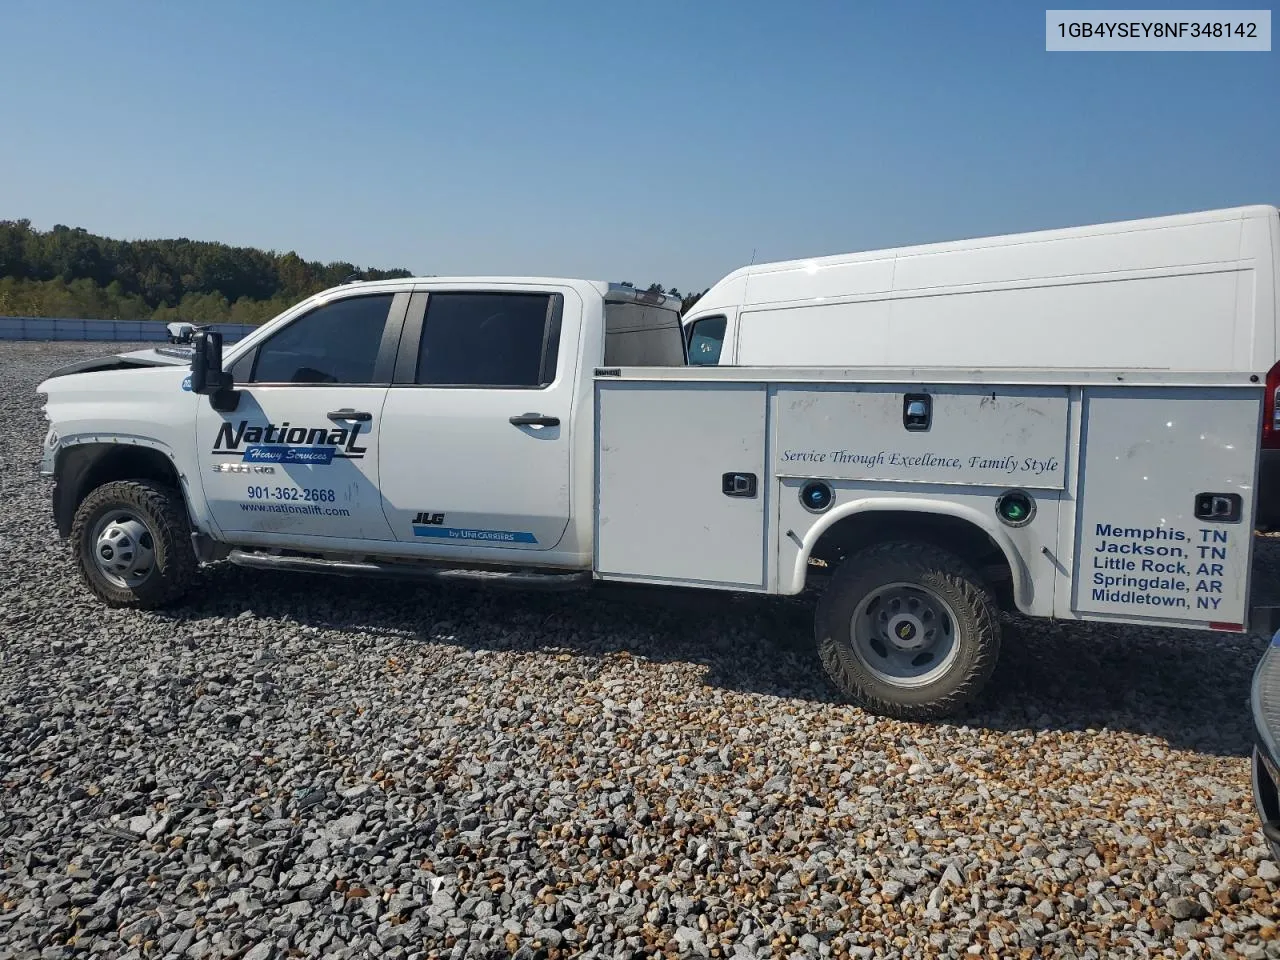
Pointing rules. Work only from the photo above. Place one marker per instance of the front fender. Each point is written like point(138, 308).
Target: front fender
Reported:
point(84, 462)
point(116, 424)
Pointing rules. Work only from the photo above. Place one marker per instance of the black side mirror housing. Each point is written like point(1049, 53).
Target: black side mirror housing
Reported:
point(207, 376)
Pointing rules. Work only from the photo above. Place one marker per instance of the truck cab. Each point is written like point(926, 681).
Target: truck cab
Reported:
point(422, 420)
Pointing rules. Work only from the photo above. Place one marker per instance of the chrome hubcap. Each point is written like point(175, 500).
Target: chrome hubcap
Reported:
point(905, 634)
point(123, 549)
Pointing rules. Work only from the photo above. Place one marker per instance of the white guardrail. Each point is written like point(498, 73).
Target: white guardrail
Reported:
point(60, 328)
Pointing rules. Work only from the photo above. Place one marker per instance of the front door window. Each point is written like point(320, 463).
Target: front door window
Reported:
point(706, 338)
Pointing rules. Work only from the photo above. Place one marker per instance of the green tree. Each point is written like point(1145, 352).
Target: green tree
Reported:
point(689, 300)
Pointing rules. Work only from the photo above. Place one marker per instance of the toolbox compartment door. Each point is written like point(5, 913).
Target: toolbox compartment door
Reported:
point(681, 483)
point(1167, 492)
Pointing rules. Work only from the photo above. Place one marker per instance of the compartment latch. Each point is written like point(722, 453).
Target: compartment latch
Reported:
point(917, 411)
point(1219, 507)
point(738, 485)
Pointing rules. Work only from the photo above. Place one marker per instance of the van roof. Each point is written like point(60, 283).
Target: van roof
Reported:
point(813, 264)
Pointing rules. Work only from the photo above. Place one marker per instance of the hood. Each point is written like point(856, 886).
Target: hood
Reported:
point(150, 357)
point(108, 382)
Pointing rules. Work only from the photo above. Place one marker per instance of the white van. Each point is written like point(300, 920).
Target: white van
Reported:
point(1195, 291)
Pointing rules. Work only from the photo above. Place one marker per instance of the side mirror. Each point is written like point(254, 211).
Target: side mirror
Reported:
point(207, 375)
point(206, 362)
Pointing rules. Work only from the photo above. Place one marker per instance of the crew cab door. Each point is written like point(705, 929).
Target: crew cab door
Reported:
point(476, 448)
point(297, 460)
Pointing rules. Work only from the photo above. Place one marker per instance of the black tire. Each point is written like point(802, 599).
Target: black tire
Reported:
point(161, 510)
point(976, 630)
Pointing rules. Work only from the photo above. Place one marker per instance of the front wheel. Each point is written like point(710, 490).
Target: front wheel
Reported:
point(907, 630)
point(132, 542)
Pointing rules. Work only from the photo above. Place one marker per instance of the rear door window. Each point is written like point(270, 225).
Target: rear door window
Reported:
point(489, 340)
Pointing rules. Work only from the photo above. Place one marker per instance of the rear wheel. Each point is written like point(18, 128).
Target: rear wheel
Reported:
point(907, 630)
point(132, 542)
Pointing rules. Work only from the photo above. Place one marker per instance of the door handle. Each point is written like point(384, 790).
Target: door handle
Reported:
point(534, 420)
point(346, 413)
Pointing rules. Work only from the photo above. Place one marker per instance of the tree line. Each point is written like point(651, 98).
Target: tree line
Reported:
point(69, 272)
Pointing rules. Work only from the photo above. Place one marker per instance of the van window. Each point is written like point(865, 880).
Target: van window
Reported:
point(640, 335)
point(489, 340)
point(706, 338)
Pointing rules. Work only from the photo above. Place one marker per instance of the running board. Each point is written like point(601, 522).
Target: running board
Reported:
point(516, 579)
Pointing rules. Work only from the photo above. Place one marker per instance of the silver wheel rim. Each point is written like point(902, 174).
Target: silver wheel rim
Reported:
point(123, 548)
point(904, 634)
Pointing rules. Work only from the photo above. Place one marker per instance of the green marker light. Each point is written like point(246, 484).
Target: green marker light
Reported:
point(1015, 508)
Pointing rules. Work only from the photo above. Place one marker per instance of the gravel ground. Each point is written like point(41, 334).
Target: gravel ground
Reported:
point(300, 766)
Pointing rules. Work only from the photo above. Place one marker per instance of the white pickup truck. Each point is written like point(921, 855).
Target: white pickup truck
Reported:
point(549, 431)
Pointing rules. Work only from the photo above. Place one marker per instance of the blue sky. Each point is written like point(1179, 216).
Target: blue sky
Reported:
point(650, 142)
